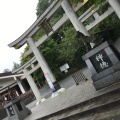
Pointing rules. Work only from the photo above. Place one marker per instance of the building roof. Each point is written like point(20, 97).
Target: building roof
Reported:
point(6, 74)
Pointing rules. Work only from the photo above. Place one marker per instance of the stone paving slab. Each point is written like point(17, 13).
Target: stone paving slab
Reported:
point(72, 96)
point(115, 115)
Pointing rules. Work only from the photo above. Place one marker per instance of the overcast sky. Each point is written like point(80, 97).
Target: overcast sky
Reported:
point(16, 16)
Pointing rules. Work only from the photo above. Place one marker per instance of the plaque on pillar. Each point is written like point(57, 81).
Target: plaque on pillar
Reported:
point(54, 86)
point(104, 64)
point(49, 81)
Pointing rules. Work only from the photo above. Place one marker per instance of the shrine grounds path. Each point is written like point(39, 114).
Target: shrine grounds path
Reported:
point(70, 97)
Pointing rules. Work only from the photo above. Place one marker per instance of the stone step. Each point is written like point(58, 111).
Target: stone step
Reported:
point(104, 102)
point(91, 111)
point(113, 114)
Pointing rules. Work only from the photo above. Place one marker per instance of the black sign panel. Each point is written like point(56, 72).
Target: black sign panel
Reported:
point(11, 111)
point(101, 61)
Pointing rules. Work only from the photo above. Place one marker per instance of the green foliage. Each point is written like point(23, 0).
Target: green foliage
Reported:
point(84, 8)
point(103, 5)
point(25, 59)
point(38, 34)
point(38, 74)
point(68, 46)
point(55, 20)
point(15, 66)
point(57, 16)
point(27, 48)
point(42, 5)
point(111, 23)
point(50, 50)
point(75, 2)
point(6, 70)
point(70, 49)
point(88, 21)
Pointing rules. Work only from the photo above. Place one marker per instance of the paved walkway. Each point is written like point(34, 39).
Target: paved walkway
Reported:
point(72, 96)
point(65, 83)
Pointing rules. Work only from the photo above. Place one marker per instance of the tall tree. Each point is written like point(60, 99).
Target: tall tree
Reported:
point(6, 70)
point(15, 66)
point(42, 5)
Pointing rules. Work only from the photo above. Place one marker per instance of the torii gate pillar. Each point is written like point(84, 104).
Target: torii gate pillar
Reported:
point(33, 87)
point(78, 25)
point(44, 66)
point(116, 6)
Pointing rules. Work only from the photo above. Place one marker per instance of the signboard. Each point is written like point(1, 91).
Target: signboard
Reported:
point(101, 61)
point(64, 67)
point(11, 111)
point(49, 81)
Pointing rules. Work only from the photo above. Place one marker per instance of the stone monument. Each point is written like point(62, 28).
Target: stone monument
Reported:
point(16, 108)
point(104, 63)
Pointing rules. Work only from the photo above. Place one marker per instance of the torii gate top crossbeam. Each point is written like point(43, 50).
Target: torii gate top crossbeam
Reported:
point(34, 27)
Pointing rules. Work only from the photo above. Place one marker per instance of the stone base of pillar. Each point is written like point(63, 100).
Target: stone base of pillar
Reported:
point(61, 90)
point(54, 94)
point(40, 101)
point(56, 86)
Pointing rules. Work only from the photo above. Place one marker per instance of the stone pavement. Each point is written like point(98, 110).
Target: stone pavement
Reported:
point(72, 96)
point(65, 83)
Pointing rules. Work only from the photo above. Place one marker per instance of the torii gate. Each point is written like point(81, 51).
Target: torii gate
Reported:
point(27, 38)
